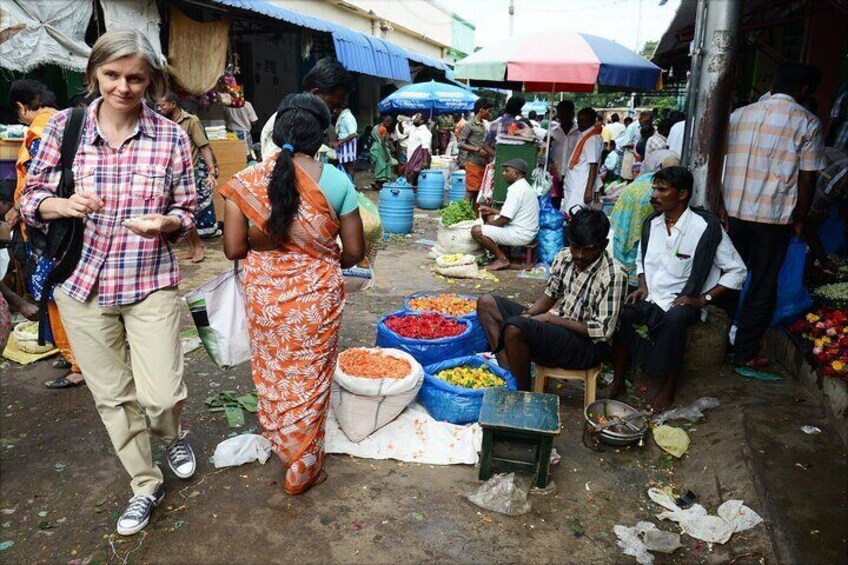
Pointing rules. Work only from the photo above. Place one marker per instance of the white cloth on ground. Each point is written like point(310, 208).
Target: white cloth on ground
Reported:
point(414, 437)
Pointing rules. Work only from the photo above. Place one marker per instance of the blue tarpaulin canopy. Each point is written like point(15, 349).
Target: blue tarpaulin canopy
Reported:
point(434, 97)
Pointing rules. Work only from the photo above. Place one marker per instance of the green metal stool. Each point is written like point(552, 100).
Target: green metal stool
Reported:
point(527, 418)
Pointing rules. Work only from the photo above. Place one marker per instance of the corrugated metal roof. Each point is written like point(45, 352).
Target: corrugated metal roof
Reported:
point(391, 61)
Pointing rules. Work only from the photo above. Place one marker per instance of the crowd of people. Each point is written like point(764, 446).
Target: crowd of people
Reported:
point(675, 259)
point(130, 173)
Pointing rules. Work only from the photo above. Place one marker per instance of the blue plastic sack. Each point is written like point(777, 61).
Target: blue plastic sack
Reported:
point(425, 351)
point(832, 232)
point(792, 296)
point(454, 404)
point(479, 341)
point(550, 238)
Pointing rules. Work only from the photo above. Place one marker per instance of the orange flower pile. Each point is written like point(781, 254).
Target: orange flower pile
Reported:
point(450, 303)
point(371, 364)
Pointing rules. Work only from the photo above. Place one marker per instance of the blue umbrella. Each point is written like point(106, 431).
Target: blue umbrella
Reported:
point(433, 97)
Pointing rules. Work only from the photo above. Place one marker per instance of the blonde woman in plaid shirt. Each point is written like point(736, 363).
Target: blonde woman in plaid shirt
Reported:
point(134, 189)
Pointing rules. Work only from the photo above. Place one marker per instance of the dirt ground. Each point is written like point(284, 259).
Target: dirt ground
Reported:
point(62, 488)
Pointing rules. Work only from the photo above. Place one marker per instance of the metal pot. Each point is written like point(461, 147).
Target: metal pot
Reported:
point(616, 435)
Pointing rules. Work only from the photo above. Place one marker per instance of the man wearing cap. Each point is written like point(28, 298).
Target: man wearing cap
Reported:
point(517, 222)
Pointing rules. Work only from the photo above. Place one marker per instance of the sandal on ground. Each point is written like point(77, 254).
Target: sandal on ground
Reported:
point(62, 382)
point(61, 363)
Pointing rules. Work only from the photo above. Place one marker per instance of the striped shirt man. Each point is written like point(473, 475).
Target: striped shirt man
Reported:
point(769, 143)
point(593, 296)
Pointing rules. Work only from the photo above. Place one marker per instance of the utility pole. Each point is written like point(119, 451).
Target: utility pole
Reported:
point(511, 16)
point(714, 51)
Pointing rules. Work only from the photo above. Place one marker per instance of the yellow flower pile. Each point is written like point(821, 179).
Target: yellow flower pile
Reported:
point(452, 259)
point(471, 377)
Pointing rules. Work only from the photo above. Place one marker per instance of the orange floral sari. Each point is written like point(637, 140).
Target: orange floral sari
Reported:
point(294, 297)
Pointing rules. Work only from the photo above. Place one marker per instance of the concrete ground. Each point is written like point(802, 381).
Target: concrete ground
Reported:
point(62, 488)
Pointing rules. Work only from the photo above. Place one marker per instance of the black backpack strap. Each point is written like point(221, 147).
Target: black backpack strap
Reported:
point(70, 144)
point(64, 236)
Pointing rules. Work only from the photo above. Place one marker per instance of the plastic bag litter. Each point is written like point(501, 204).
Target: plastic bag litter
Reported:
point(241, 449)
point(638, 541)
point(673, 440)
point(811, 430)
point(733, 516)
point(693, 412)
point(503, 494)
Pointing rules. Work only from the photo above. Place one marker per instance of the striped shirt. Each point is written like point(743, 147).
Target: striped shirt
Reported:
point(593, 296)
point(768, 144)
point(150, 173)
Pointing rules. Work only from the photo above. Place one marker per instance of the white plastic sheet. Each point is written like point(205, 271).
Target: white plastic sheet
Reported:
point(241, 449)
point(733, 516)
point(38, 32)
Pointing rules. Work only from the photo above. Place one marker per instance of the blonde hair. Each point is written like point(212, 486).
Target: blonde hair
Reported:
point(120, 43)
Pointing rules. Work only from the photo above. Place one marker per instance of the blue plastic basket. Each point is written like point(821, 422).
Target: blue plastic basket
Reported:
point(454, 404)
point(479, 341)
point(426, 351)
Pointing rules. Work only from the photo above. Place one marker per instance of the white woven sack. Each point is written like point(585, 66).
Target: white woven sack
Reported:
point(457, 238)
point(381, 387)
point(466, 260)
point(360, 415)
point(459, 271)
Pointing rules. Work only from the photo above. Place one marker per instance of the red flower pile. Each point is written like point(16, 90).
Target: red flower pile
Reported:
point(425, 326)
point(827, 330)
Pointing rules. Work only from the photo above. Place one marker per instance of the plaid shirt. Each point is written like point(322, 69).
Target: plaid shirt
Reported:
point(840, 111)
point(768, 143)
point(593, 296)
point(150, 173)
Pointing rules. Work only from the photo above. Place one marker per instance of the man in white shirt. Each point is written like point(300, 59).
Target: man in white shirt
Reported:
point(626, 142)
point(613, 129)
point(517, 222)
point(675, 135)
point(563, 137)
point(685, 262)
point(240, 121)
point(581, 178)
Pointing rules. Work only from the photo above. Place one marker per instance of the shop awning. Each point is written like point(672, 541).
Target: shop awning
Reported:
point(358, 52)
point(391, 61)
point(278, 13)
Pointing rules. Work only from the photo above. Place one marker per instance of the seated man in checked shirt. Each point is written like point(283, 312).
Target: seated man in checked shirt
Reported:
point(685, 261)
point(590, 287)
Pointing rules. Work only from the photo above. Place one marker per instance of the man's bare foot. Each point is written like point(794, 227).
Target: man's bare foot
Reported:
point(498, 264)
point(662, 401)
point(198, 255)
point(611, 391)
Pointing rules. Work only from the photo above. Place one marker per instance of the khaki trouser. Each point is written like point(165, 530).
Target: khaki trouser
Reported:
point(126, 387)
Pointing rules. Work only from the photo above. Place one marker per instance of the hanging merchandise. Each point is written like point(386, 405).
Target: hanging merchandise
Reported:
point(197, 52)
point(232, 90)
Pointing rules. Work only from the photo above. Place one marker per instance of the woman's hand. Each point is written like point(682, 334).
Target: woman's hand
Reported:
point(152, 226)
point(79, 205)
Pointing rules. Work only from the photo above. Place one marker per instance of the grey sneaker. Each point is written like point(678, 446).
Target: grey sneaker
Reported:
point(181, 458)
point(137, 514)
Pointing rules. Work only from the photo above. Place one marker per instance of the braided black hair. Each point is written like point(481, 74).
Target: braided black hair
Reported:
point(301, 126)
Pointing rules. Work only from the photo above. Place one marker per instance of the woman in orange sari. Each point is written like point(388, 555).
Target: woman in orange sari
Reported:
point(35, 105)
point(283, 216)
